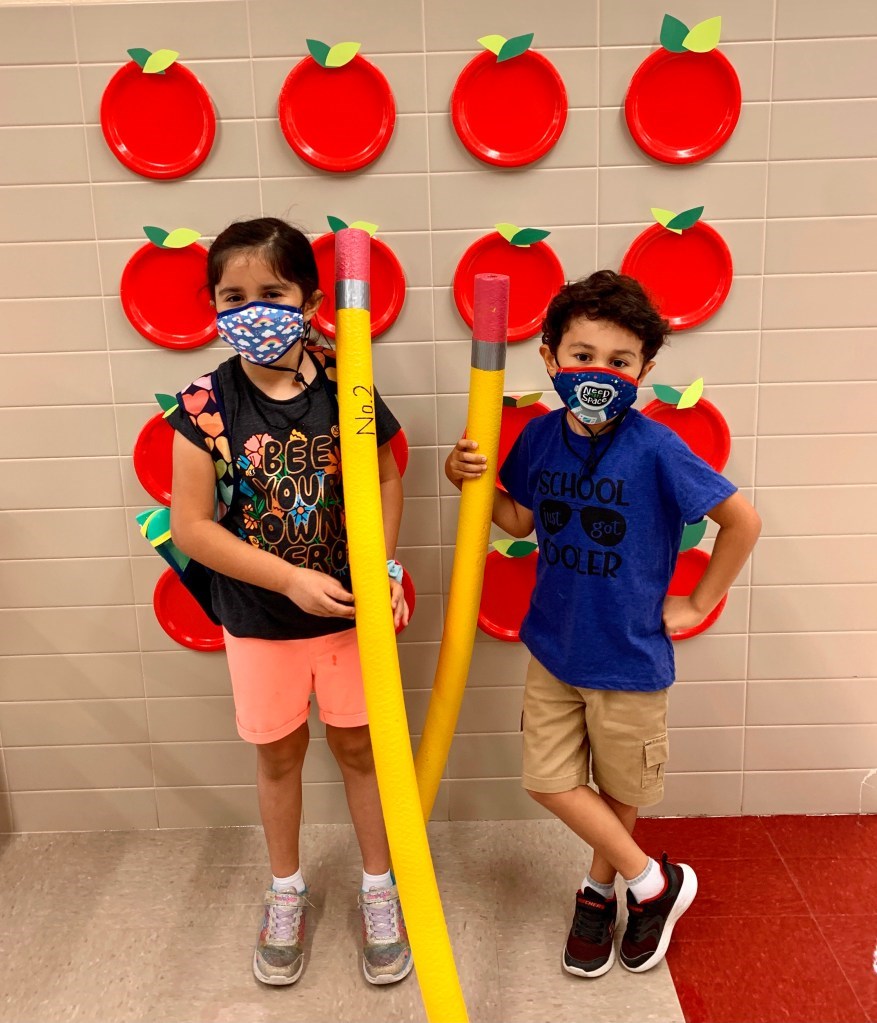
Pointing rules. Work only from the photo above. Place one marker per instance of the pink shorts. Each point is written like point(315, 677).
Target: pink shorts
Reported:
point(273, 679)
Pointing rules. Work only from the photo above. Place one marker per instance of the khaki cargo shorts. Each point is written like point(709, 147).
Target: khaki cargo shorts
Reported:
point(624, 734)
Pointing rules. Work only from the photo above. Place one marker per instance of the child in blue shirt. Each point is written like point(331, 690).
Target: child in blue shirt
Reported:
point(609, 492)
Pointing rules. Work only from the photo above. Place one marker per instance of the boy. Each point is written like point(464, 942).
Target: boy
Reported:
point(608, 492)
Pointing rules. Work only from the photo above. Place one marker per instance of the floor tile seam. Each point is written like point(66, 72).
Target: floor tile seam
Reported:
point(842, 968)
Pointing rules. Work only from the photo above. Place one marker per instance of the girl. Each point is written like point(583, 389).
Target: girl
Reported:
point(281, 582)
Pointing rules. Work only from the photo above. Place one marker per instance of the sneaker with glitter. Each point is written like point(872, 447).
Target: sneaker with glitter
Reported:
point(650, 923)
point(589, 951)
point(279, 957)
point(386, 954)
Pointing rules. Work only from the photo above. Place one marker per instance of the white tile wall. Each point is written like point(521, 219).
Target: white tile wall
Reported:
point(104, 721)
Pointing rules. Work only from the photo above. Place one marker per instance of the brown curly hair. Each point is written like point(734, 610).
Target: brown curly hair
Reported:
point(606, 295)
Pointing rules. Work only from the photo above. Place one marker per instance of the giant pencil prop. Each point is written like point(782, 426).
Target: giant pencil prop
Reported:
point(436, 972)
point(487, 375)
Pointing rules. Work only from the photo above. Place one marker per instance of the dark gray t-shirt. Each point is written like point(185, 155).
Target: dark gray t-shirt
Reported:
point(288, 495)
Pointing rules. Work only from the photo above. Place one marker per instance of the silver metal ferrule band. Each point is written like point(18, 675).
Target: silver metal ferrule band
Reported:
point(352, 295)
point(488, 355)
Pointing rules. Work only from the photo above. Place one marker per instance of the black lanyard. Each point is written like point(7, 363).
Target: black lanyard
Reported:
point(593, 460)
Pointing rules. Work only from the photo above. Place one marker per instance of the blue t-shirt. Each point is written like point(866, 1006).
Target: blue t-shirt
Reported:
point(607, 546)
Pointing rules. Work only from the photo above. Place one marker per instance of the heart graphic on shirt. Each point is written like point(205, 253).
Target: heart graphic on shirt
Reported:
point(195, 401)
point(210, 423)
point(554, 515)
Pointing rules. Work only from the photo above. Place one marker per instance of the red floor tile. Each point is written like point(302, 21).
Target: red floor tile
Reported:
point(759, 970)
point(742, 888)
point(848, 835)
point(721, 838)
point(854, 943)
point(843, 886)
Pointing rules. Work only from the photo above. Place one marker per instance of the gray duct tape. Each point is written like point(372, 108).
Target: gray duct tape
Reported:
point(352, 295)
point(488, 355)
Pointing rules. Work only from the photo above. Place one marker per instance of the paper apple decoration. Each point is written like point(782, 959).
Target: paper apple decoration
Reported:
point(388, 283)
point(181, 617)
point(509, 103)
point(164, 290)
point(684, 264)
point(697, 421)
point(153, 452)
point(683, 101)
point(532, 266)
point(336, 109)
point(690, 567)
point(156, 116)
point(517, 411)
point(509, 579)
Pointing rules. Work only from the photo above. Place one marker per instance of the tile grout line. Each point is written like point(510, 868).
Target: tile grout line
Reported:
point(255, 112)
point(100, 274)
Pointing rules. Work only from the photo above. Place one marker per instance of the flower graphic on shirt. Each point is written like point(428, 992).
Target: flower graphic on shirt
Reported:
point(250, 521)
point(301, 512)
point(255, 448)
point(333, 463)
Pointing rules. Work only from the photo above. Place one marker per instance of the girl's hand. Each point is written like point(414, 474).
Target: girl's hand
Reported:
point(319, 594)
point(462, 464)
point(399, 604)
point(681, 613)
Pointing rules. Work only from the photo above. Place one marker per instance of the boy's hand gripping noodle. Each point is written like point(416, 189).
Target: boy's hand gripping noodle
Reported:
point(487, 376)
point(436, 972)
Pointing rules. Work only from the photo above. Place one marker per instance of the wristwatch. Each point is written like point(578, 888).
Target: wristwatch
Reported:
point(394, 570)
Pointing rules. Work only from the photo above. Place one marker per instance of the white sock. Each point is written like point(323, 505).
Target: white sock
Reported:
point(295, 882)
point(370, 881)
point(649, 883)
point(606, 890)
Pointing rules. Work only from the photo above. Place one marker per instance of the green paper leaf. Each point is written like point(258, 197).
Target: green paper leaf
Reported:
point(673, 33)
point(529, 236)
point(669, 395)
point(688, 218)
point(140, 55)
point(514, 548)
point(493, 43)
point(528, 399)
point(365, 225)
point(509, 402)
point(180, 238)
point(318, 50)
point(704, 36)
point(691, 395)
point(336, 224)
point(341, 54)
point(663, 217)
point(508, 231)
point(692, 535)
point(167, 402)
point(514, 47)
point(156, 235)
point(159, 61)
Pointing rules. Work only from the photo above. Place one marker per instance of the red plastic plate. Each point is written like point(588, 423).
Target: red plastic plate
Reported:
point(505, 598)
point(387, 286)
point(511, 424)
point(688, 275)
point(153, 458)
point(690, 566)
point(509, 113)
point(399, 447)
point(682, 107)
point(703, 428)
point(535, 276)
point(181, 617)
point(165, 297)
point(337, 119)
point(160, 126)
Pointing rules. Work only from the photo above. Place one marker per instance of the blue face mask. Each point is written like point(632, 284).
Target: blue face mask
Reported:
point(261, 332)
point(595, 395)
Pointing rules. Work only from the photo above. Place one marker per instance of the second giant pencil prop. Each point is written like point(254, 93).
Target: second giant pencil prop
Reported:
point(486, 379)
point(388, 724)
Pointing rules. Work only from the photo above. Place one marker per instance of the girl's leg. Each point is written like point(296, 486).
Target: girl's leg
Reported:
point(352, 748)
point(585, 813)
point(278, 780)
point(601, 869)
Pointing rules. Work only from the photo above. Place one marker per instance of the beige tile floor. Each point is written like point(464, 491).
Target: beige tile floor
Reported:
point(158, 926)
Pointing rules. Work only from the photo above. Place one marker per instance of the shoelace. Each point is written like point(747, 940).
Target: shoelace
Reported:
point(637, 923)
point(588, 925)
point(380, 921)
point(283, 922)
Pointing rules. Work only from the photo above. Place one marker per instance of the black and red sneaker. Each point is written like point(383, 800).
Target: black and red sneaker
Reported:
point(589, 950)
point(650, 923)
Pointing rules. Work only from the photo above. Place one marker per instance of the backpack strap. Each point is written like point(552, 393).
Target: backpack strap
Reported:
point(202, 402)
